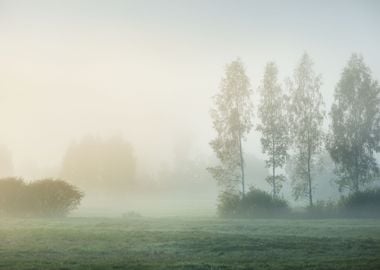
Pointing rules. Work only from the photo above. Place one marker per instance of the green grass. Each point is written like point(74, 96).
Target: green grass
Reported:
point(188, 243)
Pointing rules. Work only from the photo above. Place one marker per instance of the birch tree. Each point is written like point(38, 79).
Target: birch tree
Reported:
point(273, 126)
point(306, 119)
point(232, 120)
point(355, 126)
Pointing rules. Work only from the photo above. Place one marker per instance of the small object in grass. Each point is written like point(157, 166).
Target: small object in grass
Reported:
point(131, 214)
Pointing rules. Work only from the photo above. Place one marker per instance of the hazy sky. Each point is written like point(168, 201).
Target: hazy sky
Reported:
point(148, 69)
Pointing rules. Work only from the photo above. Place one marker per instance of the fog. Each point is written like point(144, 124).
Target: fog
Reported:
point(146, 72)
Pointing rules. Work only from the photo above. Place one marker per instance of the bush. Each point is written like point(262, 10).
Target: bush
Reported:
point(50, 197)
point(228, 204)
point(255, 203)
point(258, 203)
point(361, 204)
point(44, 198)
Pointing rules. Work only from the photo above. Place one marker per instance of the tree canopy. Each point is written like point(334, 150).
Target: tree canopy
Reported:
point(306, 119)
point(232, 120)
point(273, 127)
point(355, 126)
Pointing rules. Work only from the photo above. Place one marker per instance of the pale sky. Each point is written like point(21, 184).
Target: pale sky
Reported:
point(148, 69)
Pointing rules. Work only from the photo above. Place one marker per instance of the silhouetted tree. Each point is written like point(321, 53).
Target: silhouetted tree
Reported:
point(355, 126)
point(306, 119)
point(106, 165)
point(273, 126)
point(232, 120)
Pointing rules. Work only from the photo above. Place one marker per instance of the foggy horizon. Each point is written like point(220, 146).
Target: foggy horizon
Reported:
point(148, 74)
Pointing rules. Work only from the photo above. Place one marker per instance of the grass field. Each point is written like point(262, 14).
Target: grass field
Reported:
point(188, 243)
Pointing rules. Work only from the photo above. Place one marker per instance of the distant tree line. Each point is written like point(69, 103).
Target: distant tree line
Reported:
point(101, 165)
point(290, 121)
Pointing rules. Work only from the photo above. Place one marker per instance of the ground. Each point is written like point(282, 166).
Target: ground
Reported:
point(188, 243)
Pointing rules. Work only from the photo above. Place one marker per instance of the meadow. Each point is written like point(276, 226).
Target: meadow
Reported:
point(189, 243)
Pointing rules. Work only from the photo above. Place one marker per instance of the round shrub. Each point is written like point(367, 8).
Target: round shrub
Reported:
point(258, 203)
point(255, 203)
point(43, 198)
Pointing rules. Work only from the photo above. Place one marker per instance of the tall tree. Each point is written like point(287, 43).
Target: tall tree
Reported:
point(273, 126)
point(306, 118)
point(355, 126)
point(101, 165)
point(232, 120)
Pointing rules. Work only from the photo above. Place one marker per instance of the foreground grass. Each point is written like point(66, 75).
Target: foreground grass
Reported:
point(178, 243)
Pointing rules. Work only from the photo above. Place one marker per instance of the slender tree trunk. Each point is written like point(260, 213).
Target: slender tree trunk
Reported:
point(356, 151)
point(241, 166)
point(274, 181)
point(356, 184)
point(356, 176)
point(309, 175)
point(273, 169)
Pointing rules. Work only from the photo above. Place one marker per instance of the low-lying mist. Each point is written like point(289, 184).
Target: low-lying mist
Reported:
point(116, 182)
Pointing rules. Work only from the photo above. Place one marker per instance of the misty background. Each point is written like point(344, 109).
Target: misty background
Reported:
point(140, 75)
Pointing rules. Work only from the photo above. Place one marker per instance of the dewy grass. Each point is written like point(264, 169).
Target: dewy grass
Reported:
point(184, 243)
